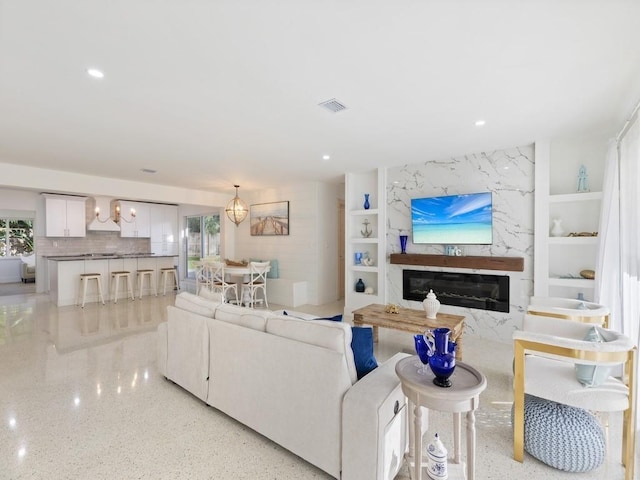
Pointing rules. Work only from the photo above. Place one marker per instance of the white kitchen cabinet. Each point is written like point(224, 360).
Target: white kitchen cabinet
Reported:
point(134, 226)
point(373, 275)
point(65, 216)
point(164, 229)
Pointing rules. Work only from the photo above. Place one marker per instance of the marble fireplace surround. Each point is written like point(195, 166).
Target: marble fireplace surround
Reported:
point(509, 175)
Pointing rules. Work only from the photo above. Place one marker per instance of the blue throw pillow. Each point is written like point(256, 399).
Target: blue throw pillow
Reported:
point(335, 318)
point(592, 375)
point(362, 346)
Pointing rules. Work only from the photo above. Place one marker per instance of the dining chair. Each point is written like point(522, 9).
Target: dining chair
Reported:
point(547, 350)
point(219, 282)
point(203, 278)
point(257, 281)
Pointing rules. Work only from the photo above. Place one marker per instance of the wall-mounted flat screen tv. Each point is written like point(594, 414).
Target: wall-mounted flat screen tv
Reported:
point(453, 219)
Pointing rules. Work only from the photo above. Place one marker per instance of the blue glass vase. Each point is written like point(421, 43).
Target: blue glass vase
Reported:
point(367, 205)
point(423, 352)
point(443, 357)
point(403, 243)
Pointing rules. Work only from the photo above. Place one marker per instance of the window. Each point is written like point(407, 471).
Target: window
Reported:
point(202, 239)
point(16, 237)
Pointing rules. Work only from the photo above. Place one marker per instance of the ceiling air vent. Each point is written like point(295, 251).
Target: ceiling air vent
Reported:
point(333, 105)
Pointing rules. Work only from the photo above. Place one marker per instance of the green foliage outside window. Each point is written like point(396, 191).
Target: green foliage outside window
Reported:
point(16, 237)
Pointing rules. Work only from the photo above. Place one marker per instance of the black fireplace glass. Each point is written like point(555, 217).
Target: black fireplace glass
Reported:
point(471, 290)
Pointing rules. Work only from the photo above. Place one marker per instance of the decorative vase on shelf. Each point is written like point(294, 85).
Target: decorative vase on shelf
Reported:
point(360, 286)
point(403, 243)
point(557, 230)
point(367, 205)
point(437, 460)
point(431, 305)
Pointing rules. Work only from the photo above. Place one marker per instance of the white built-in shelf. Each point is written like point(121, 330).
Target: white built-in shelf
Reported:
point(363, 268)
point(365, 240)
point(575, 197)
point(573, 240)
point(362, 294)
point(572, 282)
point(371, 211)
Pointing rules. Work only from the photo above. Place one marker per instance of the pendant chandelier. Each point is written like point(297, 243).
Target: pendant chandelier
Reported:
point(236, 209)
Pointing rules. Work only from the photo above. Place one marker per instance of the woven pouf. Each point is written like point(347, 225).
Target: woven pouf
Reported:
point(563, 437)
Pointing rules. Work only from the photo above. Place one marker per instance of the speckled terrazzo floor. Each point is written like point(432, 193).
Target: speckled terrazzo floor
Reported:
point(80, 398)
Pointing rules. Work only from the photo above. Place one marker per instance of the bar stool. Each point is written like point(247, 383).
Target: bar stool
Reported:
point(116, 276)
point(169, 272)
point(84, 280)
point(152, 283)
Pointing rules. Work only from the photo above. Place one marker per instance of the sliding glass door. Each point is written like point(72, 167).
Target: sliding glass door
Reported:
point(202, 239)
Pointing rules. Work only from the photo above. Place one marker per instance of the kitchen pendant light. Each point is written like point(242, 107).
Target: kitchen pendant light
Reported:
point(236, 209)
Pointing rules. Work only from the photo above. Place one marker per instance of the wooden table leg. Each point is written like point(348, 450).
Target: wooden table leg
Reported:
point(375, 334)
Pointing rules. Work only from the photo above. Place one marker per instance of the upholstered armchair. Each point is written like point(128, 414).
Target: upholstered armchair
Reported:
point(547, 351)
point(28, 268)
point(569, 309)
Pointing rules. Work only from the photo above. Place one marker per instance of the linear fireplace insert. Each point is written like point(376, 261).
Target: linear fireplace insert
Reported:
point(472, 290)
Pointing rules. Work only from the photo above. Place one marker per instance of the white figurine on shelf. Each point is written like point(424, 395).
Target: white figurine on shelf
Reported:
point(582, 179)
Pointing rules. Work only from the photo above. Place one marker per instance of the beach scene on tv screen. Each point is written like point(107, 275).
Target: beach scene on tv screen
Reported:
point(453, 219)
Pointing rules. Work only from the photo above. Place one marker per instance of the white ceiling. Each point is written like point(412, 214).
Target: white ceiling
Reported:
point(216, 92)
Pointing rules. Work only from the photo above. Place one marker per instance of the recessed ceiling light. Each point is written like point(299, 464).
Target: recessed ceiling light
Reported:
point(326, 157)
point(95, 73)
point(148, 170)
point(480, 123)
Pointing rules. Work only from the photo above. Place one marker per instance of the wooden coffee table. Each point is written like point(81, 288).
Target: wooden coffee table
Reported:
point(409, 320)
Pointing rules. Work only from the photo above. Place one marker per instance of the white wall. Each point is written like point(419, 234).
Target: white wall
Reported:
point(309, 252)
point(509, 174)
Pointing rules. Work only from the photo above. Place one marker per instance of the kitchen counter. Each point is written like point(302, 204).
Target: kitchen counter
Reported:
point(102, 256)
point(65, 270)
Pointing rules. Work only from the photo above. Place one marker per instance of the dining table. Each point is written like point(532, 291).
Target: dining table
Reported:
point(240, 275)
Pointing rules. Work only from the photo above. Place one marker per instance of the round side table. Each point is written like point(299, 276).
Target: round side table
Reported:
point(462, 396)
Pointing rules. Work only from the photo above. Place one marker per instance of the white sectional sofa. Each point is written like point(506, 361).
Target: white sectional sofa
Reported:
point(291, 380)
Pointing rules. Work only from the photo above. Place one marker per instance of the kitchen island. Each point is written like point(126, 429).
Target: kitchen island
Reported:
point(64, 273)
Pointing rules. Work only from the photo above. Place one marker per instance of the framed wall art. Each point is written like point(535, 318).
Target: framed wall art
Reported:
point(269, 219)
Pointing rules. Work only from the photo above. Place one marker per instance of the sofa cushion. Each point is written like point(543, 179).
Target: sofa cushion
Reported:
point(209, 295)
point(30, 260)
point(246, 317)
point(335, 336)
point(362, 346)
point(195, 304)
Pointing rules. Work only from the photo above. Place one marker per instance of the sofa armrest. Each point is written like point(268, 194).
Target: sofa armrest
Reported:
point(374, 425)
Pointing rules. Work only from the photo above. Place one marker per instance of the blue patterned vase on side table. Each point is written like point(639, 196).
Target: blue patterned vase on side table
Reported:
point(367, 205)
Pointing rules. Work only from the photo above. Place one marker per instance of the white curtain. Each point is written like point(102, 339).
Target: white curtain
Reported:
point(608, 279)
point(618, 278)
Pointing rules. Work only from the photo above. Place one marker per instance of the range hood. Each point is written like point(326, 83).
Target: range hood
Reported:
point(104, 222)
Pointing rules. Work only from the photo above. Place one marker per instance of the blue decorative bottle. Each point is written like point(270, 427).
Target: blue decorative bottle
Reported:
point(367, 205)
